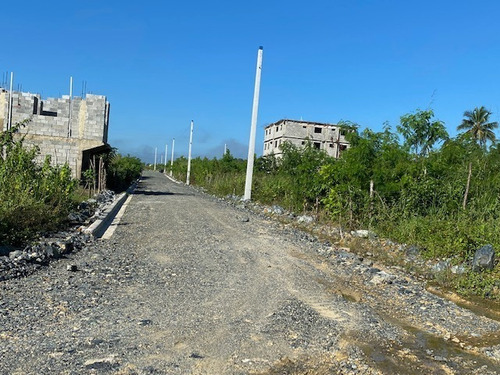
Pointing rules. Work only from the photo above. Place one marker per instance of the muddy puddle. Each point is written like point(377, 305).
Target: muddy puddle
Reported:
point(479, 306)
point(421, 352)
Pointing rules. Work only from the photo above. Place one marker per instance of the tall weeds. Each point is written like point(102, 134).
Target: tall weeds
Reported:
point(33, 197)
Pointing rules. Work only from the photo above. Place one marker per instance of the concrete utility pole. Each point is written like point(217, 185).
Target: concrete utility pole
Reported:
point(189, 153)
point(166, 157)
point(253, 128)
point(225, 148)
point(156, 152)
point(70, 105)
point(172, 158)
point(9, 123)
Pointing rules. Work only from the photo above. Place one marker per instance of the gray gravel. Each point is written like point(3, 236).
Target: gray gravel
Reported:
point(191, 285)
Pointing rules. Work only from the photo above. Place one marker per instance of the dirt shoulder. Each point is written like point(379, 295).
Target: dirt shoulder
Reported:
point(191, 285)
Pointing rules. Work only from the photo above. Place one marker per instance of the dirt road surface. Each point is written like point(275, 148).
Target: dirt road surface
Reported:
point(189, 284)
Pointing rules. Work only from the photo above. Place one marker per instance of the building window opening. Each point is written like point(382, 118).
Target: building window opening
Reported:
point(277, 128)
point(331, 145)
point(342, 131)
point(304, 127)
point(275, 143)
point(317, 145)
point(317, 130)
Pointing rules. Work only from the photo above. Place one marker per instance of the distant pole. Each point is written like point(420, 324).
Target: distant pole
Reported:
point(156, 152)
point(172, 158)
point(70, 106)
point(253, 128)
point(225, 148)
point(9, 123)
point(189, 153)
point(166, 157)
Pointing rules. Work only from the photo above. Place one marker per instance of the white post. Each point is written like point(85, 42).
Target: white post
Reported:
point(9, 123)
point(70, 105)
point(225, 148)
point(156, 152)
point(172, 158)
point(189, 153)
point(253, 129)
point(166, 157)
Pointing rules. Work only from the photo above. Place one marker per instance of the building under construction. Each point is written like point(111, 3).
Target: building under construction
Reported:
point(69, 129)
point(327, 137)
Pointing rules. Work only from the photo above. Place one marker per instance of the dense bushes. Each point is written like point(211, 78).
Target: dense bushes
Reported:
point(122, 171)
point(33, 197)
point(445, 200)
point(37, 198)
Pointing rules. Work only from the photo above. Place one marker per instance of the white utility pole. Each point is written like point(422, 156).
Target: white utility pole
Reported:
point(172, 158)
point(253, 128)
point(225, 148)
point(70, 105)
point(9, 123)
point(166, 157)
point(189, 153)
point(156, 152)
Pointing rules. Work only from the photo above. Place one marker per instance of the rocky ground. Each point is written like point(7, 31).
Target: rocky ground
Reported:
point(18, 262)
point(192, 285)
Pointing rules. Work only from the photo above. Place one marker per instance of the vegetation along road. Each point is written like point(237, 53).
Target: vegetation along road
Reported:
point(189, 284)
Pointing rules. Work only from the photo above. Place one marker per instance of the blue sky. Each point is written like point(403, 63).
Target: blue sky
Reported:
point(163, 63)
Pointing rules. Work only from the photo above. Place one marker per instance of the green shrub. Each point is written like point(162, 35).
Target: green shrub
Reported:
point(122, 171)
point(33, 197)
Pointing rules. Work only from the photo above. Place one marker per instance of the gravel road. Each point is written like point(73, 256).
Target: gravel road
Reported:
point(189, 284)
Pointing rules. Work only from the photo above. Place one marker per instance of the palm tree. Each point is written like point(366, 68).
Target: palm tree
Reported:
point(476, 124)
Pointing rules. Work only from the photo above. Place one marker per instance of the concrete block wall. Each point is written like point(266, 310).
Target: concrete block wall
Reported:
point(57, 133)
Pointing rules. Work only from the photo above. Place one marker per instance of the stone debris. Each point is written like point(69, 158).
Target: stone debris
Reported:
point(363, 233)
point(21, 262)
point(304, 219)
point(484, 259)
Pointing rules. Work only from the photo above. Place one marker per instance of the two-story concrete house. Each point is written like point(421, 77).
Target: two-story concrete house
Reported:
point(327, 137)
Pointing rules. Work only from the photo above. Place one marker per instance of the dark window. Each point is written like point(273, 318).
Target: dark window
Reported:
point(304, 127)
point(342, 132)
point(317, 130)
point(317, 145)
point(331, 145)
point(275, 143)
point(303, 142)
point(276, 128)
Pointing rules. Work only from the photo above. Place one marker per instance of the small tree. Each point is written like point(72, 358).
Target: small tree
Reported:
point(420, 132)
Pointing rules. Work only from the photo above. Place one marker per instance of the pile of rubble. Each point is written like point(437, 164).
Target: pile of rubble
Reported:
point(17, 262)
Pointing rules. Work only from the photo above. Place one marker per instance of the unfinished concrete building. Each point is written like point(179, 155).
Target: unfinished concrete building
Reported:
point(327, 137)
point(70, 130)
